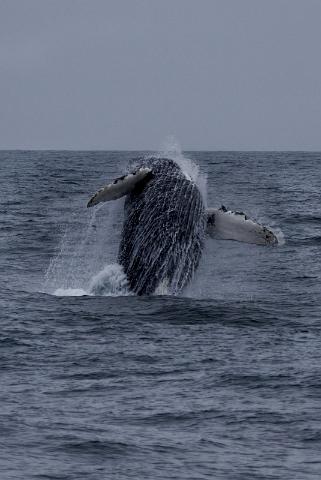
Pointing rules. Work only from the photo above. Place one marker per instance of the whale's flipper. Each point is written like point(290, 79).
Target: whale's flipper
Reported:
point(227, 225)
point(121, 186)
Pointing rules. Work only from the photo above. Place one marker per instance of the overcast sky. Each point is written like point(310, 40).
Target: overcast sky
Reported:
point(124, 74)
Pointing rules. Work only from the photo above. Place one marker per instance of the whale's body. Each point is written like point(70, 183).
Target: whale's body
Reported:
point(165, 225)
point(164, 230)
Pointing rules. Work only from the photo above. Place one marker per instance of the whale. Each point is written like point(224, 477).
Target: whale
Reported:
point(166, 224)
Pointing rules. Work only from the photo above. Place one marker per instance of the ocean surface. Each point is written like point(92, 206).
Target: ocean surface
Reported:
point(223, 382)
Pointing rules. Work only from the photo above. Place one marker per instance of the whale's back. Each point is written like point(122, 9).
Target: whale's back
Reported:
point(163, 232)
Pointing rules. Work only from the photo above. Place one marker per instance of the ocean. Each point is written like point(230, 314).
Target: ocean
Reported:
point(223, 382)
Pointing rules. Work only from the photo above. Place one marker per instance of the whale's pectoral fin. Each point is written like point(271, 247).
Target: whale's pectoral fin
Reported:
point(120, 187)
point(227, 225)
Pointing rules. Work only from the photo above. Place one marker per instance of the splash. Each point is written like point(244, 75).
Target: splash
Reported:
point(92, 240)
point(172, 149)
point(67, 269)
point(89, 241)
point(279, 235)
point(111, 281)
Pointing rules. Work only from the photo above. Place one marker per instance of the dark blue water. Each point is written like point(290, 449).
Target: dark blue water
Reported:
point(221, 383)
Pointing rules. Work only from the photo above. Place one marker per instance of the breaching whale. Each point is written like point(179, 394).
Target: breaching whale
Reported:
point(166, 223)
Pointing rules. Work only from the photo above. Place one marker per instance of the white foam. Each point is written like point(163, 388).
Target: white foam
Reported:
point(70, 292)
point(110, 281)
point(280, 236)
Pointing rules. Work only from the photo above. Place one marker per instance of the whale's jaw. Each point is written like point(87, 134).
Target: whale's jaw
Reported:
point(163, 232)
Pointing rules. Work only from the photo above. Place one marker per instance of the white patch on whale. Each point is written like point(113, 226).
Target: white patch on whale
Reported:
point(121, 186)
point(225, 224)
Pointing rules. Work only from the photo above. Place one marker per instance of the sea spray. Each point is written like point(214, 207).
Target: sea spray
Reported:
point(111, 281)
point(172, 149)
point(85, 248)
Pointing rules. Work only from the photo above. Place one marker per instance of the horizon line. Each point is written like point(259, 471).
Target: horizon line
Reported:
point(154, 150)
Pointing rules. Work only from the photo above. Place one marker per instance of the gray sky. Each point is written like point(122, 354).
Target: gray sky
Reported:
point(124, 74)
